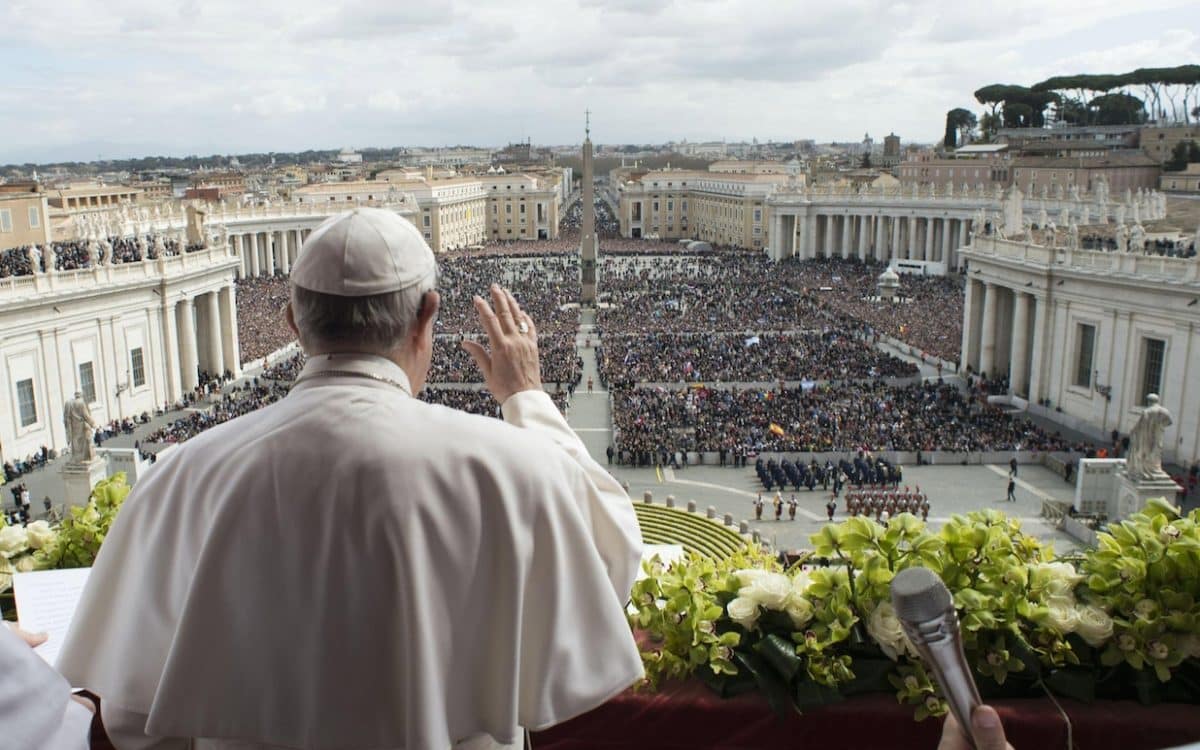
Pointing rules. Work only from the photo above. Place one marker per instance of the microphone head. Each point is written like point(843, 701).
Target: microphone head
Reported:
point(918, 595)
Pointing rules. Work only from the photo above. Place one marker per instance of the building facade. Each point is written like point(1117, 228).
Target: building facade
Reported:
point(725, 208)
point(129, 337)
point(1085, 336)
point(24, 218)
point(1187, 181)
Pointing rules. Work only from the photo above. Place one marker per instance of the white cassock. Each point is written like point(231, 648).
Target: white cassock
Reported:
point(352, 568)
point(36, 710)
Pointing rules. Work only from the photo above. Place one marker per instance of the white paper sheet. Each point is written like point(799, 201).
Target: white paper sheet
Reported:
point(46, 602)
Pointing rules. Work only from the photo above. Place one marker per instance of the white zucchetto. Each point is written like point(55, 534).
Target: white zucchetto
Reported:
point(363, 252)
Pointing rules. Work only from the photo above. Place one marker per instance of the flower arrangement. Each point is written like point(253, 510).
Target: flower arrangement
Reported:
point(1122, 620)
point(73, 543)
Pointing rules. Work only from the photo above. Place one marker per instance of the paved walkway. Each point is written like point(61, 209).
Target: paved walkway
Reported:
point(588, 412)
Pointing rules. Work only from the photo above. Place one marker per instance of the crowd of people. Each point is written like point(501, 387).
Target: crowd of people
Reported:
point(743, 357)
point(234, 402)
point(834, 417)
point(261, 325)
point(71, 255)
point(478, 401)
point(453, 364)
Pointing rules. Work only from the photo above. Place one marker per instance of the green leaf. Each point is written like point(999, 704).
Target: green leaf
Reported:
point(810, 695)
point(768, 680)
point(781, 655)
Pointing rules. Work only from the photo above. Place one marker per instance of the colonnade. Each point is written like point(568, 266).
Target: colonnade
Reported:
point(879, 236)
point(200, 334)
point(1002, 329)
point(264, 253)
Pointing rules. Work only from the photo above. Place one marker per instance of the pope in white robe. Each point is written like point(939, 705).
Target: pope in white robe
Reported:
point(353, 568)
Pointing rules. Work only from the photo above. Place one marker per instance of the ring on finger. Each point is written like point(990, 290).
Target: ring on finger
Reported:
point(523, 327)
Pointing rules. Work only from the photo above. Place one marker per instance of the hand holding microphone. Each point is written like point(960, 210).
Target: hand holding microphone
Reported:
point(926, 611)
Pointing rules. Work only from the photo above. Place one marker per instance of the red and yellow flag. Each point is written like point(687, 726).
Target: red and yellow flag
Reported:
point(776, 429)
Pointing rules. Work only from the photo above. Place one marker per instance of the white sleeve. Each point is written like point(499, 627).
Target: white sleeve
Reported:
point(604, 502)
point(74, 733)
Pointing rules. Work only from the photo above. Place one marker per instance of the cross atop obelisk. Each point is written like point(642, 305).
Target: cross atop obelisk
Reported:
point(587, 230)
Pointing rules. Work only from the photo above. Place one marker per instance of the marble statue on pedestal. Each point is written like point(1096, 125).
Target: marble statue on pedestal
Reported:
point(47, 258)
point(1043, 217)
point(1074, 193)
point(1101, 190)
point(1045, 192)
point(77, 418)
point(35, 259)
point(1128, 196)
point(1137, 239)
point(1146, 441)
point(1073, 236)
point(1121, 211)
point(160, 247)
point(1085, 215)
point(1064, 216)
point(1121, 239)
point(1050, 234)
point(1013, 208)
point(1137, 211)
point(106, 250)
point(1058, 191)
point(93, 251)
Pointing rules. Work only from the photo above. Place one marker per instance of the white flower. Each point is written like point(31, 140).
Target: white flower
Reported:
point(800, 610)
point(24, 564)
point(748, 576)
point(1056, 578)
point(1159, 650)
point(884, 627)
point(771, 590)
point(800, 583)
point(1062, 616)
point(13, 541)
point(1094, 626)
point(40, 534)
point(744, 611)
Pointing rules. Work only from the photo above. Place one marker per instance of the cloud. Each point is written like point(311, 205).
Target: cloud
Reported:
point(232, 75)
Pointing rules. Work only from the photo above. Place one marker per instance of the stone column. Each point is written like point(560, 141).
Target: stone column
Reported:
point(285, 262)
point(929, 232)
point(1036, 387)
point(965, 353)
point(270, 247)
point(254, 266)
point(987, 337)
point(847, 223)
point(800, 243)
point(216, 360)
point(188, 357)
point(894, 249)
point(877, 219)
point(945, 250)
point(230, 351)
point(170, 355)
point(1019, 358)
point(828, 239)
point(775, 241)
point(864, 229)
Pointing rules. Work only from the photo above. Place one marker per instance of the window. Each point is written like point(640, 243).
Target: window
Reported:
point(1152, 367)
point(522, 208)
point(5, 220)
point(137, 370)
point(670, 205)
point(426, 218)
point(758, 214)
point(683, 206)
point(87, 382)
point(508, 208)
point(26, 405)
point(35, 217)
point(656, 206)
point(1085, 335)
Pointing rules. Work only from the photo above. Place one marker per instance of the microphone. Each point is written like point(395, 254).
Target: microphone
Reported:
point(926, 611)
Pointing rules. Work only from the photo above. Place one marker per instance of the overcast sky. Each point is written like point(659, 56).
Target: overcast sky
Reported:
point(88, 79)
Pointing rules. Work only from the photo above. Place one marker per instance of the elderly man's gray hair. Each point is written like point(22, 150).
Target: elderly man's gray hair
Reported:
point(375, 323)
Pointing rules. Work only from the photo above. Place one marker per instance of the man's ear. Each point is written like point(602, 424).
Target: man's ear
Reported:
point(290, 317)
point(427, 312)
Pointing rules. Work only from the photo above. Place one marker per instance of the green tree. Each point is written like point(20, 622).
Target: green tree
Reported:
point(1117, 109)
point(959, 122)
point(1179, 157)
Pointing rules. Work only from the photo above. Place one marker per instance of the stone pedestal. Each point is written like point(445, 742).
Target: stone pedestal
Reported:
point(78, 479)
point(1131, 495)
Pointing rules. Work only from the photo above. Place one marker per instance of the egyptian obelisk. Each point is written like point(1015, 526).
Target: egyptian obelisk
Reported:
point(587, 230)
